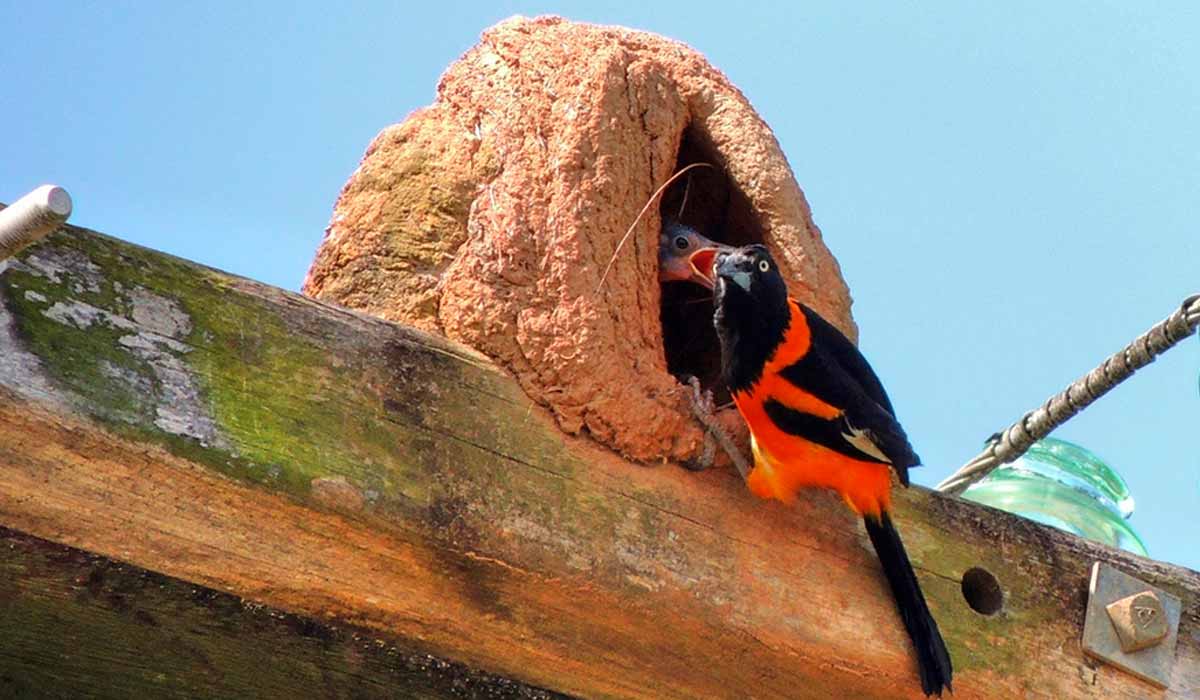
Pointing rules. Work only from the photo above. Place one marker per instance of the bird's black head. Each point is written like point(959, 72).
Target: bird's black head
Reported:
point(752, 312)
point(750, 271)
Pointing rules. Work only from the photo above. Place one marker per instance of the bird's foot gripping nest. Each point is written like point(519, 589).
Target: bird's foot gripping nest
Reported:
point(715, 434)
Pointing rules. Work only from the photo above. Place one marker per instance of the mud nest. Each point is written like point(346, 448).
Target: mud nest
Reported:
point(490, 216)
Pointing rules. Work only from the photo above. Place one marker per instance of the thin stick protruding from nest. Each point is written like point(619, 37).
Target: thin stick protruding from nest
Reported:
point(687, 188)
point(642, 213)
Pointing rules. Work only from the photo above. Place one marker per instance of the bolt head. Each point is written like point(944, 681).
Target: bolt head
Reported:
point(1139, 619)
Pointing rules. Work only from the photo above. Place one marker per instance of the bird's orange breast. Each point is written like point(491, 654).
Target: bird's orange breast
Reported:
point(785, 463)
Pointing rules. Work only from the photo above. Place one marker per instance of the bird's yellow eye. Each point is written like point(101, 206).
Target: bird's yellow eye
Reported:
point(763, 265)
point(681, 242)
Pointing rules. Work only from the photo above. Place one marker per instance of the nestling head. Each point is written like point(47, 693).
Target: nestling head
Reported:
point(686, 256)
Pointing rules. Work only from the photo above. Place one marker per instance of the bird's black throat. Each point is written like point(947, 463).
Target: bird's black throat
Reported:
point(750, 328)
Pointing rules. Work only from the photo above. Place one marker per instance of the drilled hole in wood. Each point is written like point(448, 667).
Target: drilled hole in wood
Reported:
point(982, 591)
point(717, 209)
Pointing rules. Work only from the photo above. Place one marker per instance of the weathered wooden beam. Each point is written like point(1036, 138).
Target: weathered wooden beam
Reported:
point(76, 624)
point(332, 465)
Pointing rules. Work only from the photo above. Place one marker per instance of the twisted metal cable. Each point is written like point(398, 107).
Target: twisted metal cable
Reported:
point(1037, 424)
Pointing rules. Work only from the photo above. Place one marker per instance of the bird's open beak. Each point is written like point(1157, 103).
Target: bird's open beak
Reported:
point(701, 263)
point(727, 267)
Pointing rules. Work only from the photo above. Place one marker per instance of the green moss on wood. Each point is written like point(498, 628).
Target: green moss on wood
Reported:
point(87, 361)
point(295, 398)
point(998, 643)
point(287, 407)
point(286, 413)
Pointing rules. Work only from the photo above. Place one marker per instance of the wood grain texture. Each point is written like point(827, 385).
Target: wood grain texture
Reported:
point(332, 465)
point(78, 625)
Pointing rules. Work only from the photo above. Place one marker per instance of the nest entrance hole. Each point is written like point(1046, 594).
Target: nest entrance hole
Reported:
point(717, 209)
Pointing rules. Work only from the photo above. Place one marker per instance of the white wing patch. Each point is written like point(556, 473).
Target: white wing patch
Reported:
point(861, 439)
point(764, 464)
point(760, 459)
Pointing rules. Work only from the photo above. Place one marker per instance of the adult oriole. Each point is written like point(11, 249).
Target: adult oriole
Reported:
point(819, 417)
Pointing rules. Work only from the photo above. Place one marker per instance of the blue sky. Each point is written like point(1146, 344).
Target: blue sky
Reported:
point(1011, 188)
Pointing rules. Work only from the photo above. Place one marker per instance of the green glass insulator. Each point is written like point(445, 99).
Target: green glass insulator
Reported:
point(1061, 484)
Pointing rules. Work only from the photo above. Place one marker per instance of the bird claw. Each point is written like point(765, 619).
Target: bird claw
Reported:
point(714, 434)
point(705, 460)
point(702, 408)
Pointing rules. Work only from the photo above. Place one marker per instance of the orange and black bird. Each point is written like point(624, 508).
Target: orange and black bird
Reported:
point(818, 417)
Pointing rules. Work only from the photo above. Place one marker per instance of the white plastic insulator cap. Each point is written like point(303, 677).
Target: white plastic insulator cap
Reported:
point(56, 198)
point(32, 217)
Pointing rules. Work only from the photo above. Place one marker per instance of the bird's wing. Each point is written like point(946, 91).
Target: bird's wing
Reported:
point(825, 335)
point(863, 428)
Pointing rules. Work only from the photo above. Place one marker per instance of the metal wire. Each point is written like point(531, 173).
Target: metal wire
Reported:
point(1038, 423)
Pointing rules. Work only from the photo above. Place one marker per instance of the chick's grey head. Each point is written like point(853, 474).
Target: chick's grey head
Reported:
point(686, 256)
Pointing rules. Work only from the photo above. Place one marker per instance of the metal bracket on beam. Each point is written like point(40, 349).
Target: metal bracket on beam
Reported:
point(1131, 625)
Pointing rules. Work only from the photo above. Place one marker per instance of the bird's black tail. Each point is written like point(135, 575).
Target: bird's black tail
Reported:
point(933, 660)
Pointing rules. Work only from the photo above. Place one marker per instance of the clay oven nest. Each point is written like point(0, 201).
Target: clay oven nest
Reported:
point(490, 216)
